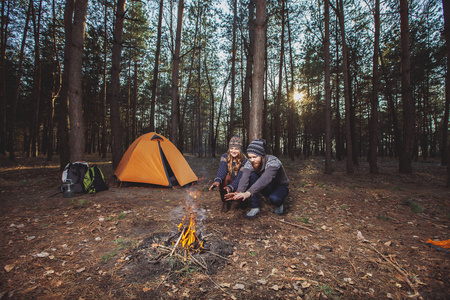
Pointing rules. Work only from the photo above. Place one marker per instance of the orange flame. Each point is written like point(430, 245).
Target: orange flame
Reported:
point(189, 239)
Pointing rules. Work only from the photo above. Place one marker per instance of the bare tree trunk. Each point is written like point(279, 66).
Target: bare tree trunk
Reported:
point(407, 100)
point(4, 37)
point(75, 93)
point(444, 144)
point(373, 122)
point(233, 72)
point(188, 87)
point(212, 142)
point(34, 125)
point(348, 134)
point(256, 110)
point(104, 96)
point(128, 108)
point(56, 87)
point(15, 99)
point(291, 106)
point(135, 101)
point(328, 169)
point(63, 124)
point(156, 69)
point(277, 120)
point(248, 72)
point(116, 130)
point(175, 75)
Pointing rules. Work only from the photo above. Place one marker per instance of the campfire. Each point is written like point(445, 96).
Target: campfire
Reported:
point(185, 249)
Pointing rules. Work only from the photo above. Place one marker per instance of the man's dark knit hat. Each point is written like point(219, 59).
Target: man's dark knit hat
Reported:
point(235, 141)
point(257, 147)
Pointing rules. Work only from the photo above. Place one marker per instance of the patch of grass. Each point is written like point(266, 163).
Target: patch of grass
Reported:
point(252, 253)
point(24, 182)
point(80, 204)
point(343, 207)
point(187, 270)
point(121, 216)
point(328, 291)
point(353, 186)
point(398, 188)
point(125, 243)
point(384, 218)
point(302, 219)
point(415, 207)
point(105, 258)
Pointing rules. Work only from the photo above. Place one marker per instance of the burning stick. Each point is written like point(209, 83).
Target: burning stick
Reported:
point(176, 244)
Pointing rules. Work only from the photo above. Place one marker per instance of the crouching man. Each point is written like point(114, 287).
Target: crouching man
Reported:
point(261, 174)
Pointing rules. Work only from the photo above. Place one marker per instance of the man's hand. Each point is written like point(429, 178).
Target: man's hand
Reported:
point(237, 196)
point(227, 189)
point(214, 185)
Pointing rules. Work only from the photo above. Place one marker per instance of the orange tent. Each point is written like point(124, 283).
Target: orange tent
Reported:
point(154, 159)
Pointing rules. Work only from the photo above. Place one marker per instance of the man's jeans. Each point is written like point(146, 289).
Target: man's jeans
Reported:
point(276, 193)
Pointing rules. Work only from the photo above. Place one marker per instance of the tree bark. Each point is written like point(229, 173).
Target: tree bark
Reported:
point(56, 87)
point(257, 100)
point(75, 92)
point(291, 106)
point(277, 118)
point(116, 130)
point(373, 122)
point(175, 118)
point(248, 72)
point(63, 124)
point(4, 37)
point(328, 169)
point(156, 69)
point(15, 99)
point(104, 146)
point(34, 125)
point(348, 131)
point(233, 72)
point(407, 100)
point(445, 145)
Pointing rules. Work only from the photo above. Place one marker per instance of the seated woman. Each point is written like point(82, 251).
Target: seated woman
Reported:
point(230, 171)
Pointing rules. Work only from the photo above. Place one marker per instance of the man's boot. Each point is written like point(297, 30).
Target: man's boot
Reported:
point(225, 204)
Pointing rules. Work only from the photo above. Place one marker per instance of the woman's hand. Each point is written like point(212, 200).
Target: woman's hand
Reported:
point(214, 185)
point(237, 196)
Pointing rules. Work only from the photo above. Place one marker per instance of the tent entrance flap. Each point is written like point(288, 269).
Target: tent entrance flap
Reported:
point(169, 173)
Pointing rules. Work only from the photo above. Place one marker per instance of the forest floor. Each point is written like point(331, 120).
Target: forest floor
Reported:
point(342, 237)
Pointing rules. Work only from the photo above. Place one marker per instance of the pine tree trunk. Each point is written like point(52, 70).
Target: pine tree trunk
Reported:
point(328, 169)
point(56, 88)
point(257, 102)
point(348, 117)
point(175, 118)
point(373, 125)
point(75, 92)
point(291, 106)
point(116, 130)
point(156, 69)
point(233, 72)
point(445, 145)
point(407, 100)
point(15, 99)
point(248, 72)
point(4, 37)
point(104, 146)
point(34, 126)
point(276, 151)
